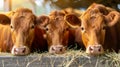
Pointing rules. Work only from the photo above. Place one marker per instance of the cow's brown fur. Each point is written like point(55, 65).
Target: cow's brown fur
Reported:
point(18, 31)
point(58, 34)
point(94, 20)
point(5, 39)
point(100, 29)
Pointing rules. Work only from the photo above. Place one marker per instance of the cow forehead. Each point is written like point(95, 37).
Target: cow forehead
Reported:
point(22, 13)
point(92, 18)
point(57, 26)
point(57, 21)
point(22, 19)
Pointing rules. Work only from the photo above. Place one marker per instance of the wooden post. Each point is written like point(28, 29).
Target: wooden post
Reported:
point(7, 5)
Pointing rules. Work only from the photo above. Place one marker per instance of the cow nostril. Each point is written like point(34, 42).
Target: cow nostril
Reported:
point(90, 49)
point(60, 49)
point(23, 51)
point(53, 49)
point(99, 49)
point(15, 50)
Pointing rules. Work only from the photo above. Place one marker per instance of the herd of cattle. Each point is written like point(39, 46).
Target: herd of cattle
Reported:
point(97, 29)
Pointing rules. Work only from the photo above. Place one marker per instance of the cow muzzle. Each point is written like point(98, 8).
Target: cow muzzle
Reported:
point(22, 50)
point(94, 49)
point(57, 49)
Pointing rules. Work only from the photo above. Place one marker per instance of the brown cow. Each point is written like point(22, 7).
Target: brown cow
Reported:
point(99, 29)
point(58, 34)
point(17, 31)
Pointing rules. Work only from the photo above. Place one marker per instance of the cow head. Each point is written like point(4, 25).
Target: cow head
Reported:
point(56, 31)
point(21, 22)
point(93, 25)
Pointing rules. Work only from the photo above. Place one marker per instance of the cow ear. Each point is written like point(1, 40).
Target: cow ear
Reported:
point(102, 9)
point(4, 19)
point(42, 21)
point(72, 20)
point(112, 18)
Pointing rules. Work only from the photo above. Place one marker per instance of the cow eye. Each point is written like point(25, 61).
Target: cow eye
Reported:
point(46, 29)
point(67, 29)
point(32, 26)
point(82, 28)
point(104, 28)
point(11, 26)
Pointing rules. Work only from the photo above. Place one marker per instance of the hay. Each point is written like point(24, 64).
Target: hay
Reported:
point(72, 58)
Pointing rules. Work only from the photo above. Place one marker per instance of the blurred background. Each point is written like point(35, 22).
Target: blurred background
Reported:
point(45, 6)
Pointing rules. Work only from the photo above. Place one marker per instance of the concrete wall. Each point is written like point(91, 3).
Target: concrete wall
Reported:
point(48, 60)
